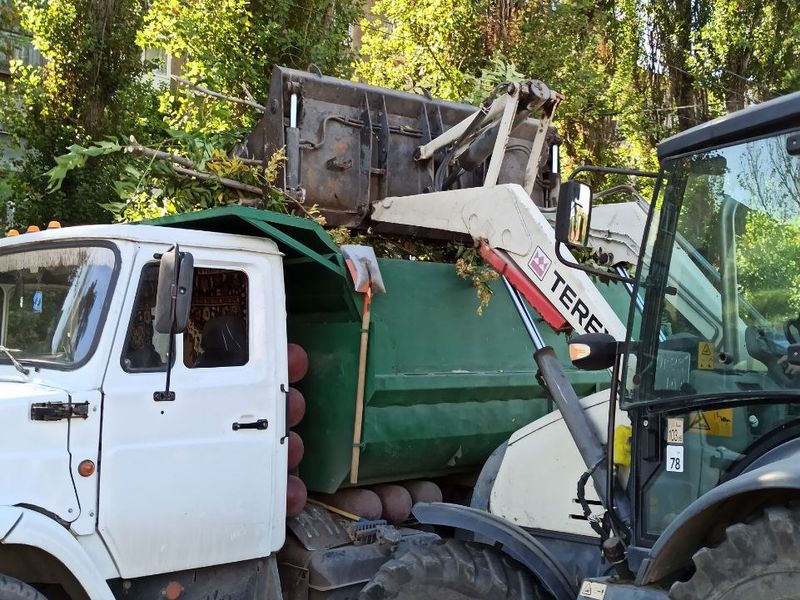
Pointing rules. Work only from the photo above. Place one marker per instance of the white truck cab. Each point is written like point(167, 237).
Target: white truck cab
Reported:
point(83, 378)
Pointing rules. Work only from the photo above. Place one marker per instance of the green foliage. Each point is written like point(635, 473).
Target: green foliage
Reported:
point(185, 172)
point(632, 71)
point(773, 291)
point(435, 46)
point(225, 44)
point(470, 266)
point(76, 158)
point(93, 87)
point(89, 88)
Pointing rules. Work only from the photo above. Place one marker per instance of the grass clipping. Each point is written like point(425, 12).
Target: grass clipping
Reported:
point(468, 263)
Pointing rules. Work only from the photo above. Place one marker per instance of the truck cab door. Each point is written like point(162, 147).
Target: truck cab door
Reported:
point(199, 480)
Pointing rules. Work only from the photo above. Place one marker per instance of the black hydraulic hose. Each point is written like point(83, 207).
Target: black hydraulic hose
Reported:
point(481, 148)
point(442, 168)
point(587, 510)
point(439, 175)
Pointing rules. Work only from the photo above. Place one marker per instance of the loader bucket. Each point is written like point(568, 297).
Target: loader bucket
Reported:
point(350, 145)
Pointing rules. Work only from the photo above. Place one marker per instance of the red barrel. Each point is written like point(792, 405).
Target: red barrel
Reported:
point(298, 362)
point(395, 502)
point(297, 407)
point(296, 496)
point(296, 450)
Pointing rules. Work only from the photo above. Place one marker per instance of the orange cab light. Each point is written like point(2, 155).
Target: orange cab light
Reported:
point(32, 229)
point(54, 225)
point(173, 590)
point(86, 468)
point(12, 233)
point(579, 351)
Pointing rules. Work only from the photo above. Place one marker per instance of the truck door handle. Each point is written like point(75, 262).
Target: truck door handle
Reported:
point(260, 424)
point(56, 411)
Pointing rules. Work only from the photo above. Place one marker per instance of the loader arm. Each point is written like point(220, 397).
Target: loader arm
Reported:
point(518, 241)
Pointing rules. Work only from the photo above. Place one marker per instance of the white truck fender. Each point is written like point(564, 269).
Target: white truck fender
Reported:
point(9, 516)
point(23, 526)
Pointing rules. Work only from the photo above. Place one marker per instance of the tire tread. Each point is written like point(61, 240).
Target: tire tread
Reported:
point(14, 589)
point(457, 565)
point(767, 542)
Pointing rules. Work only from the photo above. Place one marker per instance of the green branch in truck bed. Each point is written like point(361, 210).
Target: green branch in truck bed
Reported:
point(163, 181)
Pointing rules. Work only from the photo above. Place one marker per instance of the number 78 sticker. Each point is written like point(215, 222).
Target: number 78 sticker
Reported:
point(675, 459)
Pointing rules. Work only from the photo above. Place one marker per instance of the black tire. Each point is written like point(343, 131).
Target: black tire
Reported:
point(760, 559)
point(14, 589)
point(452, 570)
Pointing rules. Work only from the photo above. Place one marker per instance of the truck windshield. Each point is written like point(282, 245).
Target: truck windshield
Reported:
point(720, 277)
point(720, 281)
point(54, 302)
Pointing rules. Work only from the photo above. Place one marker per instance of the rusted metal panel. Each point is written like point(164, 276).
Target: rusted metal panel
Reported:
point(351, 144)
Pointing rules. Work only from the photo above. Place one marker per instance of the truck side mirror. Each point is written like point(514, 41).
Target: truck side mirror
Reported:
point(593, 351)
point(574, 213)
point(174, 292)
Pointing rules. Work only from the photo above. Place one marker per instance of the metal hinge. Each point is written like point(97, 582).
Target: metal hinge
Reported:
point(55, 411)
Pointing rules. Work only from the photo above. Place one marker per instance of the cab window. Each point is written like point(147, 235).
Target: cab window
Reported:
point(216, 335)
point(145, 349)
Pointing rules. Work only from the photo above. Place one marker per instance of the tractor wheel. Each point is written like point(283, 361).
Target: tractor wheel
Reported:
point(760, 559)
point(14, 589)
point(452, 570)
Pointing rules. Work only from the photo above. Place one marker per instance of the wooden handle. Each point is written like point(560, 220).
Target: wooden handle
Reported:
point(362, 373)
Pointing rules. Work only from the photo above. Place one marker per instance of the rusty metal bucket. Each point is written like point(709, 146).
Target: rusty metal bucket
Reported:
point(349, 145)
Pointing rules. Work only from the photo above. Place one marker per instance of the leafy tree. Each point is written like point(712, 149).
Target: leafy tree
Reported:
point(436, 46)
point(633, 71)
point(227, 44)
point(89, 88)
point(739, 56)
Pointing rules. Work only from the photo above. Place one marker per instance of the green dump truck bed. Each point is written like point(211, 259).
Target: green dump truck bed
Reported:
point(444, 386)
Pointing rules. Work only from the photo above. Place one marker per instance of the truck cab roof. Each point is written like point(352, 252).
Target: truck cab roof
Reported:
point(757, 120)
point(140, 234)
point(295, 237)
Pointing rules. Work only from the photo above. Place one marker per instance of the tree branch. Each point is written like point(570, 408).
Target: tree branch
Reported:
point(248, 95)
point(207, 92)
point(188, 168)
point(231, 183)
point(158, 154)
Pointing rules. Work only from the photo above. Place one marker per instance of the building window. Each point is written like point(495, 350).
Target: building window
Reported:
point(15, 46)
point(159, 64)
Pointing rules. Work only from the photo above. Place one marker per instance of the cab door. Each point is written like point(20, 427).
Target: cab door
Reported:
point(199, 480)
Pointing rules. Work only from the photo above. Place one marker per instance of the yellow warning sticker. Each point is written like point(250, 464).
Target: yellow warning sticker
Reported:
point(713, 422)
point(705, 355)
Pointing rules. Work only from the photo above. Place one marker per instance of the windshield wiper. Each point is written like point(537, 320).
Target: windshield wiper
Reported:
point(17, 365)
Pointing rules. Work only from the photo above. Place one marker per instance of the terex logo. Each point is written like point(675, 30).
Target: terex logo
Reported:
point(540, 263)
point(569, 299)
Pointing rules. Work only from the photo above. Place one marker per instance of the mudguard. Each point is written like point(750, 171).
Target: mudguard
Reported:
point(776, 474)
point(482, 490)
point(34, 529)
point(514, 541)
